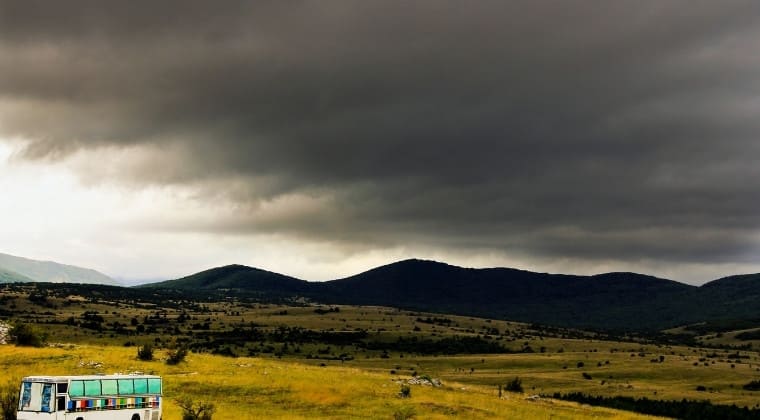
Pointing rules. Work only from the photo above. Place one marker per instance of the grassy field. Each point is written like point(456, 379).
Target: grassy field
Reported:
point(243, 388)
point(295, 374)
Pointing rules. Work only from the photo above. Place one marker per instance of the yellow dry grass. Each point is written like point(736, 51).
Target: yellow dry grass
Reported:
point(251, 388)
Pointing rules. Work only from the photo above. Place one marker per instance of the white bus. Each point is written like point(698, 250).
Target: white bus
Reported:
point(96, 397)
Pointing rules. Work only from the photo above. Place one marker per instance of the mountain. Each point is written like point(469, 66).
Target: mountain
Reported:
point(737, 295)
point(611, 301)
point(621, 301)
point(238, 277)
point(8, 276)
point(51, 272)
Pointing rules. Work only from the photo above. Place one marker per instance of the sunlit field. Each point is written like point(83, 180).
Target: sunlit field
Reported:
point(254, 359)
point(243, 388)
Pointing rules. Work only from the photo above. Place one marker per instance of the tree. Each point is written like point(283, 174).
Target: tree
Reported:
point(515, 385)
point(145, 353)
point(405, 391)
point(176, 356)
point(26, 335)
point(192, 410)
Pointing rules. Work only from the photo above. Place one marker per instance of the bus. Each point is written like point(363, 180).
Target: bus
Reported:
point(93, 397)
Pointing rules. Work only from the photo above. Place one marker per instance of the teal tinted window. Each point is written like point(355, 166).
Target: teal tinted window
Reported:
point(141, 386)
point(154, 386)
point(109, 386)
point(76, 389)
point(92, 388)
point(126, 387)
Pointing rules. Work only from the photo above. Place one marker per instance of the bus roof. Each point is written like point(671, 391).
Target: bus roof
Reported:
point(47, 378)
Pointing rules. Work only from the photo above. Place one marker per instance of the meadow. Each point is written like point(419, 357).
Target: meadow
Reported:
point(249, 388)
point(305, 360)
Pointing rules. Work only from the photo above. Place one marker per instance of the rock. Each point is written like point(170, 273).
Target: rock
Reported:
point(4, 328)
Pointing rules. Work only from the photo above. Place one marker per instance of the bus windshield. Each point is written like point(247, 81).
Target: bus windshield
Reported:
point(36, 396)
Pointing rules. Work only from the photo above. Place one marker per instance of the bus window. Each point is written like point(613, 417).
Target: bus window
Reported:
point(47, 391)
point(126, 387)
point(154, 386)
point(76, 389)
point(31, 397)
point(92, 388)
point(141, 386)
point(109, 387)
point(26, 394)
point(63, 387)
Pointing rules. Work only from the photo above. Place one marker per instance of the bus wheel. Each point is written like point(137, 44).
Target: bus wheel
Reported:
point(135, 417)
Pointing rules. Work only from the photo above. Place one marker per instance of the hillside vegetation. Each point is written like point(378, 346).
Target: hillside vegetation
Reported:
point(612, 301)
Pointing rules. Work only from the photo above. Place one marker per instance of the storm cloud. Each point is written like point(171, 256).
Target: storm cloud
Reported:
point(582, 130)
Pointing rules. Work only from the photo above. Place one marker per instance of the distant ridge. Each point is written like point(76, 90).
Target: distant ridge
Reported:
point(28, 270)
point(236, 277)
point(8, 276)
point(621, 301)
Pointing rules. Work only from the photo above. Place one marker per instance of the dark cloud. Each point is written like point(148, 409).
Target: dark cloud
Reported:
point(555, 129)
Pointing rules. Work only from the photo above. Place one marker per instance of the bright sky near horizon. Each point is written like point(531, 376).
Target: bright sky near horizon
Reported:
point(151, 141)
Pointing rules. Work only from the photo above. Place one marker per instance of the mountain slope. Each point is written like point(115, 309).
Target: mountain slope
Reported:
point(52, 272)
point(736, 295)
point(236, 277)
point(612, 300)
point(609, 301)
point(8, 276)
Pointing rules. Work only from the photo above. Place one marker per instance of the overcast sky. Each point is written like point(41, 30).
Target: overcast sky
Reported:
point(319, 139)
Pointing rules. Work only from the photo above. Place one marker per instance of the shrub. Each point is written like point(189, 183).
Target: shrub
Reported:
point(192, 410)
point(586, 375)
point(405, 391)
point(752, 386)
point(145, 353)
point(176, 356)
point(515, 385)
point(9, 400)
point(404, 413)
point(26, 335)
point(701, 388)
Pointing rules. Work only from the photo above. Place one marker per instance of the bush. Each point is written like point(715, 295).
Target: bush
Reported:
point(752, 386)
point(145, 353)
point(9, 400)
point(26, 335)
point(176, 356)
point(701, 388)
point(515, 385)
point(405, 391)
point(192, 410)
point(404, 413)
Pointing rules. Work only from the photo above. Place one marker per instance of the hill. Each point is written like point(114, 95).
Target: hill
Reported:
point(612, 301)
point(237, 277)
point(51, 272)
point(609, 301)
point(735, 295)
point(8, 276)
